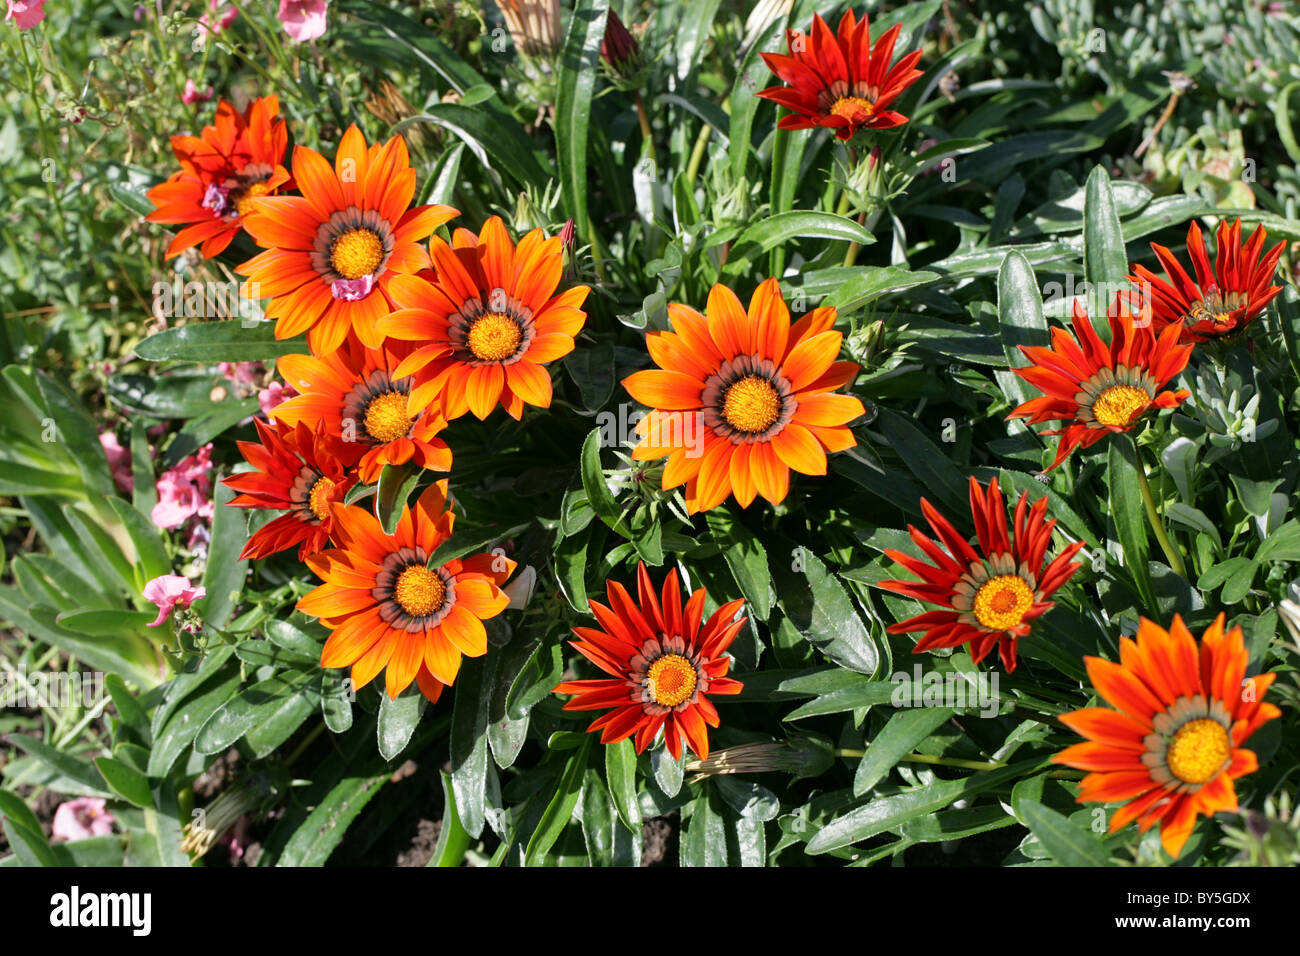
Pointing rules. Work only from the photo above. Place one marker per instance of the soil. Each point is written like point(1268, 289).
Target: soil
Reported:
point(422, 847)
point(216, 778)
point(660, 836)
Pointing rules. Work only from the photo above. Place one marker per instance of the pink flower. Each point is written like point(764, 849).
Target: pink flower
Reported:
point(242, 373)
point(184, 491)
point(192, 94)
point(303, 19)
point(169, 590)
point(82, 818)
point(217, 19)
point(119, 461)
point(273, 395)
point(352, 290)
point(26, 13)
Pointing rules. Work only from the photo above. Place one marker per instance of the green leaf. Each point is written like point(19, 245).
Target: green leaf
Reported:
point(453, 841)
point(1127, 511)
point(747, 560)
point(574, 91)
point(396, 482)
point(150, 552)
point(593, 482)
point(1282, 115)
point(469, 745)
point(105, 622)
point(29, 846)
point(265, 713)
point(1020, 318)
point(871, 282)
point(598, 817)
point(705, 841)
point(620, 773)
point(752, 76)
point(667, 770)
point(882, 814)
point(12, 806)
point(848, 698)
point(129, 711)
point(490, 137)
point(431, 49)
point(941, 479)
point(397, 721)
point(125, 781)
point(691, 33)
point(559, 811)
point(818, 606)
point(783, 228)
point(1105, 260)
point(72, 767)
point(224, 575)
point(144, 493)
point(1067, 842)
point(898, 738)
point(79, 433)
point(226, 341)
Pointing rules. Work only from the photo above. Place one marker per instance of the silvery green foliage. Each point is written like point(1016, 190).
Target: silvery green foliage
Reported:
point(1229, 408)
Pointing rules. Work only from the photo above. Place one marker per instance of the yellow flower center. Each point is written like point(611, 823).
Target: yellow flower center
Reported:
point(388, 418)
point(751, 405)
point(1116, 406)
point(1001, 602)
point(1198, 751)
point(494, 337)
point(319, 499)
point(243, 202)
point(850, 106)
point(419, 591)
point(356, 253)
point(672, 680)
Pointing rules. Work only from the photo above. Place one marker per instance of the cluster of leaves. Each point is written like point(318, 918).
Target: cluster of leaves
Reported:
point(996, 191)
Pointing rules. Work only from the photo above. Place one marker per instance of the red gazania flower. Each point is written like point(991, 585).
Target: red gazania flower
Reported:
point(359, 399)
point(387, 609)
point(663, 663)
point(1222, 300)
point(1102, 389)
point(741, 398)
point(331, 252)
point(993, 594)
point(223, 170)
point(839, 81)
point(1172, 746)
point(488, 322)
point(299, 471)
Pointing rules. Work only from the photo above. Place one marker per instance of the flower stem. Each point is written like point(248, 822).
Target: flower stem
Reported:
point(953, 762)
point(697, 153)
point(927, 758)
point(1153, 516)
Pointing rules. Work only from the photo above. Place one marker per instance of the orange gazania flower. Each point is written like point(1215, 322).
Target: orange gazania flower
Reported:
point(1222, 300)
point(992, 595)
point(1173, 744)
point(222, 171)
point(488, 322)
point(1102, 389)
point(331, 252)
point(741, 398)
point(663, 663)
point(388, 609)
point(839, 81)
point(359, 399)
point(298, 471)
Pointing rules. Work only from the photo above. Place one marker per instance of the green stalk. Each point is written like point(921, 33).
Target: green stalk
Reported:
point(697, 153)
point(1153, 516)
